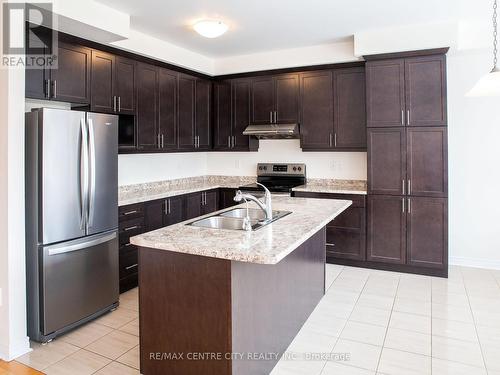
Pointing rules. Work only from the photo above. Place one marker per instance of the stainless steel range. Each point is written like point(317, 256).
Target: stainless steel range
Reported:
point(278, 178)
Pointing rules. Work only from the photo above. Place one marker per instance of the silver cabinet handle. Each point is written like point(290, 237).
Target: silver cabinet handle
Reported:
point(275, 117)
point(130, 212)
point(162, 140)
point(119, 104)
point(158, 140)
point(409, 187)
point(335, 139)
point(233, 138)
point(330, 141)
point(408, 117)
point(132, 266)
point(403, 204)
point(228, 141)
point(169, 210)
point(165, 209)
point(114, 103)
point(93, 167)
point(47, 88)
point(271, 117)
point(403, 184)
point(131, 228)
point(402, 117)
point(54, 94)
point(409, 205)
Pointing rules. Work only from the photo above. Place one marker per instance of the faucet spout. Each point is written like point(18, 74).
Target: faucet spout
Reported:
point(266, 206)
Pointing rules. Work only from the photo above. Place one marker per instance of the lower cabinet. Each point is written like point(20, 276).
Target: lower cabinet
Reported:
point(407, 230)
point(346, 234)
point(226, 198)
point(144, 217)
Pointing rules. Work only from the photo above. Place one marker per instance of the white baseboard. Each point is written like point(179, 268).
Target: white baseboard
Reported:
point(475, 262)
point(10, 352)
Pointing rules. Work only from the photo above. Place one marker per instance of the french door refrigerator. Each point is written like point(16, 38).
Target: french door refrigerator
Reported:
point(71, 219)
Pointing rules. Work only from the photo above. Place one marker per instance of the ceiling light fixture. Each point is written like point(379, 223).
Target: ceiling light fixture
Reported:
point(210, 28)
point(489, 85)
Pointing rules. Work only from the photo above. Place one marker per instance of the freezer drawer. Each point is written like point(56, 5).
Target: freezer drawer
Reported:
point(78, 278)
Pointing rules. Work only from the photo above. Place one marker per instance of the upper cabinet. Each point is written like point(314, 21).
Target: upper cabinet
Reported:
point(69, 82)
point(406, 91)
point(274, 100)
point(333, 110)
point(167, 109)
point(124, 85)
point(232, 115)
point(186, 115)
point(148, 136)
point(203, 110)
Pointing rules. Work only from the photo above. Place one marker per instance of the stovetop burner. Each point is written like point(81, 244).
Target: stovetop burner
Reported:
point(280, 178)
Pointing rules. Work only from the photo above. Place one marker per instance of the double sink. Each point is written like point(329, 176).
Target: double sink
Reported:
point(233, 219)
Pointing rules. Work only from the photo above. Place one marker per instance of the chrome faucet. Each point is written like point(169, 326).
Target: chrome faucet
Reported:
point(265, 206)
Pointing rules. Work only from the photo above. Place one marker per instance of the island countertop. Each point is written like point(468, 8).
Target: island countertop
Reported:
point(267, 245)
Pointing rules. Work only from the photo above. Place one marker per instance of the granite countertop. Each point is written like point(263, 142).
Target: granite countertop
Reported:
point(357, 187)
point(267, 245)
point(159, 190)
point(138, 193)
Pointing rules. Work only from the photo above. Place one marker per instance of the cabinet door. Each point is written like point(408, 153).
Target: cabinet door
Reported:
point(222, 113)
point(147, 107)
point(154, 215)
point(350, 108)
point(211, 201)
point(386, 161)
point(287, 99)
point(185, 111)
point(428, 232)
point(316, 101)
point(37, 79)
point(203, 113)
point(167, 109)
point(425, 82)
point(385, 93)
point(71, 79)
point(427, 162)
point(386, 229)
point(103, 69)
point(174, 212)
point(226, 198)
point(241, 114)
point(262, 100)
point(193, 205)
point(125, 71)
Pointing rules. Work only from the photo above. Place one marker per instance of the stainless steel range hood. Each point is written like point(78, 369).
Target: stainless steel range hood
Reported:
point(273, 131)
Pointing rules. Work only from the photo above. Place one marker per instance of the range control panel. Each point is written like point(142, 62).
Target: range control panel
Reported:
point(276, 169)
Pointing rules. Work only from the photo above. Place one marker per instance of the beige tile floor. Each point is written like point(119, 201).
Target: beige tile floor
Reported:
point(388, 323)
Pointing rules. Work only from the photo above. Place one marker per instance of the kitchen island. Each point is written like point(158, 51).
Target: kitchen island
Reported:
point(221, 302)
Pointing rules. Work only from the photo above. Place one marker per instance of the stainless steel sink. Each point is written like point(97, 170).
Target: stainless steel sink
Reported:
point(221, 222)
point(253, 213)
point(233, 219)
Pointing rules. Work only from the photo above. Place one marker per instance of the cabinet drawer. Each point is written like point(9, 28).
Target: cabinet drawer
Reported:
point(130, 228)
point(128, 263)
point(131, 211)
point(129, 282)
point(345, 244)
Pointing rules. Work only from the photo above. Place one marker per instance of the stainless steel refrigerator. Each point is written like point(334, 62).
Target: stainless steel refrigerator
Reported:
point(71, 219)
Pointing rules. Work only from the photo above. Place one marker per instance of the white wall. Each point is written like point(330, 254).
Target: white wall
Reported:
point(474, 164)
point(136, 169)
point(338, 165)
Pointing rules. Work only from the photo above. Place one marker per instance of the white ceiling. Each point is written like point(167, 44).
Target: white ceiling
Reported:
point(263, 25)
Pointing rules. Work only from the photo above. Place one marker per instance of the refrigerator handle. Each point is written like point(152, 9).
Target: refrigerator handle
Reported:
point(92, 163)
point(84, 173)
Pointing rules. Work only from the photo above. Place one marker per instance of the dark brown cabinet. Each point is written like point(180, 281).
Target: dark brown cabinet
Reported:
point(232, 116)
point(409, 161)
point(316, 103)
point(406, 91)
point(210, 201)
point(124, 87)
point(386, 229)
point(154, 215)
point(333, 110)
point(427, 232)
point(386, 161)
point(167, 109)
point(275, 100)
point(346, 234)
point(186, 111)
point(68, 82)
point(350, 109)
point(173, 209)
point(203, 109)
point(147, 107)
point(102, 97)
point(226, 198)
point(201, 203)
